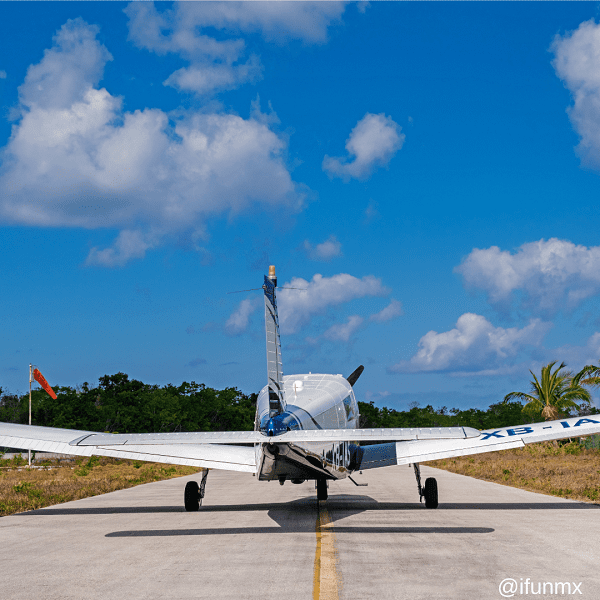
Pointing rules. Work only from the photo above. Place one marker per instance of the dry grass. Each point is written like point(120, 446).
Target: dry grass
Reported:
point(63, 480)
point(568, 471)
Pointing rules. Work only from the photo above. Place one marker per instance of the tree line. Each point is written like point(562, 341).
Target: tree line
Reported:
point(120, 404)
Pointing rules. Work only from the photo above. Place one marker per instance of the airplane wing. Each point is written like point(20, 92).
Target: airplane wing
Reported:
point(491, 440)
point(52, 439)
point(226, 450)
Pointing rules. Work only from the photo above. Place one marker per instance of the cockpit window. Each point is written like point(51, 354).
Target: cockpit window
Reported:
point(349, 406)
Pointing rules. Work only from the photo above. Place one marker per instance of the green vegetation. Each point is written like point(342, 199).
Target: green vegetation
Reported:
point(558, 392)
point(62, 480)
point(569, 470)
point(497, 415)
point(120, 404)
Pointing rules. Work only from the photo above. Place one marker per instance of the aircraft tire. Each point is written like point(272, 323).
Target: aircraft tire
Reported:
point(191, 496)
point(321, 489)
point(431, 493)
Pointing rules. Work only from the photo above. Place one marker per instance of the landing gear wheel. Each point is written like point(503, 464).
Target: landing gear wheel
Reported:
point(430, 492)
point(321, 489)
point(191, 496)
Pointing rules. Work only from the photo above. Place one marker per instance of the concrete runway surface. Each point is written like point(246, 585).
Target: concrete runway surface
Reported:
point(263, 541)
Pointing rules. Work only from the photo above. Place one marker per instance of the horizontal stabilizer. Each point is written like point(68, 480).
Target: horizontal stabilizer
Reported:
point(254, 437)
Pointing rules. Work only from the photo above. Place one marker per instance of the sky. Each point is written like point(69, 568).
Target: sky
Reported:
point(427, 174)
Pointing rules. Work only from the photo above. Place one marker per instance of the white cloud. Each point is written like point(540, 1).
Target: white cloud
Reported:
point(218, 64)
point(372, 212)
point(73, 65)
point(330, 248)
point(240, 319)
point(298, 307)
point(474, 345)
point(204, 79)
point(391, 311)
point(552, 274)
point(373, 142)
point(276, 21)
point(342, 332)
point(176, 31)
point(577, 63)
point(2, 74)
point(128, 245)
point(76, 159)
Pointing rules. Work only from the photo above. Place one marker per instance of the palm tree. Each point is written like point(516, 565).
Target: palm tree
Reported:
point(589, 375)
point(555, 394)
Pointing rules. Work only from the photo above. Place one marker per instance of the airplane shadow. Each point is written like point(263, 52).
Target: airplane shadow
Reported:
point(339, 506)
point(299, 516)
point(285, 529)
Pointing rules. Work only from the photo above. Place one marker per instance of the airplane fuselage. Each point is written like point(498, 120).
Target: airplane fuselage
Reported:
point(314, 401)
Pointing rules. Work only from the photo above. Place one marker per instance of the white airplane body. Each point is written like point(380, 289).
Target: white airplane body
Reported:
point(306, 428)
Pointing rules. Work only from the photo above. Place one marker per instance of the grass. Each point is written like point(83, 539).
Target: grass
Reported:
point(570, 470)
point(62, 480)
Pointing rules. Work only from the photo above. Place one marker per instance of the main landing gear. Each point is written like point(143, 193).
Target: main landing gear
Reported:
point(429, 491)
point(321, 489)
point(192, 497)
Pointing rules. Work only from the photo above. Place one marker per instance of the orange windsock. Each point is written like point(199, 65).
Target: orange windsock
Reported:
point(42, 381)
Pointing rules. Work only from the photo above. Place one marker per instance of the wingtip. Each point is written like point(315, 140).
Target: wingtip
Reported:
point(471, 432)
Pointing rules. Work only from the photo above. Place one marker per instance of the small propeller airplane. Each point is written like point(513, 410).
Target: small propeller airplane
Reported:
point(306, 428)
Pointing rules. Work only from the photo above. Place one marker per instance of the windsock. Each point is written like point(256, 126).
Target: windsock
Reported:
point(42, 381)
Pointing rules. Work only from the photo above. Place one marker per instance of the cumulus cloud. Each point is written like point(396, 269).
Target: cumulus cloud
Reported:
point(391, 311)
point(298, 307)
point(474, 346)
point(2, 74)
point(330, 248)
point(128, 245)
point(577, 63)
point(76, 159)
point(203, 79)
point(220, 64)
point(310, 298)
point(341, 332)
point(551, 274)
point(240, 319)
point(373, 142)
point(276, 21)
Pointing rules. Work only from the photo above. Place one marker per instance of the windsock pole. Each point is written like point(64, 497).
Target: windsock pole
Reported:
point(30, 381)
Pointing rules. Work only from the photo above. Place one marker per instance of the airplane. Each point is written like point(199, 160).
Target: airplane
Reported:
point(306, 428)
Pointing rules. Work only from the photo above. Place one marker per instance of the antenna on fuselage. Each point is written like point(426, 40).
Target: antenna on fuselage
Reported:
point(277, 403)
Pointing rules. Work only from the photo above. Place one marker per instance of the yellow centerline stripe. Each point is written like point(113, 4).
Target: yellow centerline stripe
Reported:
point(327, 581)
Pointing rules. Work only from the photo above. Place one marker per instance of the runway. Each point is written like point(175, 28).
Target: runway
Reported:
point(264, 541)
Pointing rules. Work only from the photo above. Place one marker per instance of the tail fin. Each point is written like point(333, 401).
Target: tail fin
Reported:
point(277, 402)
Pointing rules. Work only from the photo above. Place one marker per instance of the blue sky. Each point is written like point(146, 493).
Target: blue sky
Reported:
point(429, 172)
